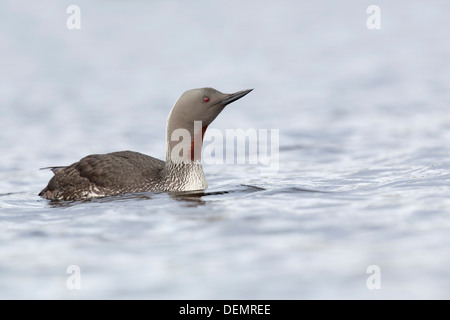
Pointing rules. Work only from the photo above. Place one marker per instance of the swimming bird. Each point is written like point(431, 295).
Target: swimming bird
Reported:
point(100, 175)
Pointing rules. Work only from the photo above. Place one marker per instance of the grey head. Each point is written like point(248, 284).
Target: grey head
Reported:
point(192, 113)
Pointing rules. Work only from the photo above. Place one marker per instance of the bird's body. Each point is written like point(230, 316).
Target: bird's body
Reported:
point(101, 175)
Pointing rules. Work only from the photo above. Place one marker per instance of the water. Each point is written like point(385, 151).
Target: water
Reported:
point(364, 130)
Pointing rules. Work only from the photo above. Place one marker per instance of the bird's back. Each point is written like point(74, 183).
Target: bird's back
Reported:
point(104, 175)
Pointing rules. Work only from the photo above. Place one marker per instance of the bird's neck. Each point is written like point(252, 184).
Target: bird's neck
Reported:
point(183, 169)
point(184, 176)
point(184, 145)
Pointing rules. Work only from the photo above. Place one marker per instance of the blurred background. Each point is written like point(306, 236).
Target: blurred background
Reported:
point(363, 114)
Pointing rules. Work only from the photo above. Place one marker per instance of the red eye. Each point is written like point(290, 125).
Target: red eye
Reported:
point(206, 99)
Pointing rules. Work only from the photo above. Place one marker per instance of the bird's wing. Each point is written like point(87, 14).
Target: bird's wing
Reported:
point(117, 169)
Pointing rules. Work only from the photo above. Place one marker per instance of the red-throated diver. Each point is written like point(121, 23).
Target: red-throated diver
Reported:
point(101, 175)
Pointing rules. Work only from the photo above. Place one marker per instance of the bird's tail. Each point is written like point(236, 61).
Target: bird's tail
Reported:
point(54, 169)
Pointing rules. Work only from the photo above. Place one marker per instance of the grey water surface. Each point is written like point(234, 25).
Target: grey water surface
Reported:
point(363, 173)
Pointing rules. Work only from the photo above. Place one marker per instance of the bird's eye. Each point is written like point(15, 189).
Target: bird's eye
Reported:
point(206, 99)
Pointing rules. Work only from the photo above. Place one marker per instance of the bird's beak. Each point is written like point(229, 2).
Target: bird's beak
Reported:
point(234, 96)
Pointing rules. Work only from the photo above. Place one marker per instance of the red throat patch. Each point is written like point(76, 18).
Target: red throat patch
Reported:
point(193, 144)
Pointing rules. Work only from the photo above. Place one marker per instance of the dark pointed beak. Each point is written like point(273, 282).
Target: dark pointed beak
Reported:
point(234, 96)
